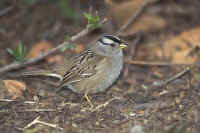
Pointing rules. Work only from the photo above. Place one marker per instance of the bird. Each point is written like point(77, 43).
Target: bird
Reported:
point(93, 70)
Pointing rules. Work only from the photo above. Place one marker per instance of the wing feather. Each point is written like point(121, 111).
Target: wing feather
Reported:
point(82, 67)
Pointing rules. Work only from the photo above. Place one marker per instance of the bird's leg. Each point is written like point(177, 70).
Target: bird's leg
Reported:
point(88, 100)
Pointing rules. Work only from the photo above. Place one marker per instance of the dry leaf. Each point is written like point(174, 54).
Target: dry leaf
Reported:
point(42, 47)
point(15, 88)
point(39, 48)
point(123, 12)
point(57, 59)
point(184, 48)
point(79, 48)
point(126, 9)
point(147, 22)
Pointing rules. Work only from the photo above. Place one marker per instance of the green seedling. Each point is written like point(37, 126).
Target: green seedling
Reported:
point(19, 53)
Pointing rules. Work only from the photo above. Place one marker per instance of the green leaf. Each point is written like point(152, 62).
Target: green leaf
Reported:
point(72, 47)
point(68, 38)
point(66, 46)
point(93, 21)
point(99, 25)
point(87, 16)
point(91, 25)
point(20, 48)
point(19, 53)
point(10, 51)
point(24, 53)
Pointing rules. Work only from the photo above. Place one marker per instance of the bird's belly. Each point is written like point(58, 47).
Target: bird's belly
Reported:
point(110, 77)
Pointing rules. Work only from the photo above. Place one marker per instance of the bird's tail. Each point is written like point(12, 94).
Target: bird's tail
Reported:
point(42, 73)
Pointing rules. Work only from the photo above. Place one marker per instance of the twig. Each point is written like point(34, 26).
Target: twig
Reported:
point(149, 105)
point(162, 64)
point(147, 63)
point(37, 121)
point(132, 19)
point(166, 81)
point(104, 104)
point(7, 100)
point(39, 110)
point(134, 47)
point(17, 65)
point(33, 102)
point(4, 111)
point(25, 102)
point(30, 110)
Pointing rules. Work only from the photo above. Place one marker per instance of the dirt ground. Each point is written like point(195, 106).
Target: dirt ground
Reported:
point(164, 40)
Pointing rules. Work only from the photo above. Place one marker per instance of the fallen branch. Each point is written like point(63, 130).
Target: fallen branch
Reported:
point(166, 81)
point(138, 12)
point(104, 104)
point(161, 64)
point(17, 65)
point(37, 121)
point(148, 63)
point(172, 78)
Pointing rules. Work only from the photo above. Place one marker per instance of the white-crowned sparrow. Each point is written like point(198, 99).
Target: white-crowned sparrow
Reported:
point(92, 71)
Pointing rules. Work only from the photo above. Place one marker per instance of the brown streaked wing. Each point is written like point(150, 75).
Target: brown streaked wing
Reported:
point(93, 83)
point(82, 67)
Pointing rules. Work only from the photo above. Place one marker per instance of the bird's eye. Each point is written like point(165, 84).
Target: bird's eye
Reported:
point(112, 44)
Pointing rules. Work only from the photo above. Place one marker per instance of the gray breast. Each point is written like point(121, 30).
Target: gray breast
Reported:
point(117, 66)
